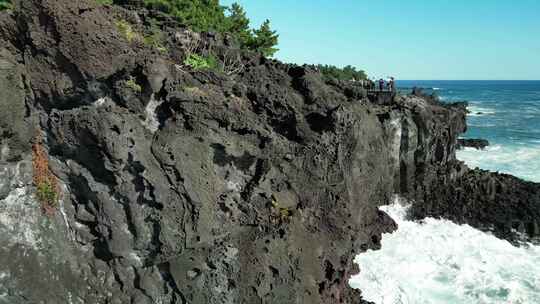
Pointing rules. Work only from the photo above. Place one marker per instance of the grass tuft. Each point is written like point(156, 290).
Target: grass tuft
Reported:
point(280, 214)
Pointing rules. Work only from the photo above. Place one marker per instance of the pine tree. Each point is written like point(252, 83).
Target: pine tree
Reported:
point(238, 24)
point(200, 15)
point(209, 15)
point(264, 40)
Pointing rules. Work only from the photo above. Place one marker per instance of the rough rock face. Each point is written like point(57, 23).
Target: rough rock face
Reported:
point(182, 186)
point(196, 188)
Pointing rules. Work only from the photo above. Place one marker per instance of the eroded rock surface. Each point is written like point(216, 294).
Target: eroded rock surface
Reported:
point(182, 186)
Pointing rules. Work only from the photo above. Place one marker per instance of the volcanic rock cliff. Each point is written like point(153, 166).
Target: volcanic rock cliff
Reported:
point(257, 184)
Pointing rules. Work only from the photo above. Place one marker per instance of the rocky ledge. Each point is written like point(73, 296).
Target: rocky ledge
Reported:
point(255, 184)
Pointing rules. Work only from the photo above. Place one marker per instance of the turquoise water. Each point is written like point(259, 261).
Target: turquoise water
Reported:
point(507, 113)
point(436, 261)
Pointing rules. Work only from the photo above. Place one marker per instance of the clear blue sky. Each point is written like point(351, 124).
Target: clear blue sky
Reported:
point(409, 39)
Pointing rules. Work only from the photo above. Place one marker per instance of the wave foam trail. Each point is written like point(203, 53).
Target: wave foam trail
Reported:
point(523, 162)
point(479, 111)
point(437, 261)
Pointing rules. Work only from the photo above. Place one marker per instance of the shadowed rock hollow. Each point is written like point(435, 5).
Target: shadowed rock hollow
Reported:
point(258, 186)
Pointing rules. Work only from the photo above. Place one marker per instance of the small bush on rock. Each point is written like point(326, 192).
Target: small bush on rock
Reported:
point(47, 189)
point(5, 4)
point(126, 30)
point(156, 41)
point(46, 193)
point(198, 62)
point(280, 214)
point(132, 84)
point(104, 2)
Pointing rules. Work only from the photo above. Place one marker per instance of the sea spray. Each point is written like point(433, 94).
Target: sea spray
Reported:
point(521, 161)
point(437, 261)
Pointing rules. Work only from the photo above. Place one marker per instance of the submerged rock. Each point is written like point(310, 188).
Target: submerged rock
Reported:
point(478, 144)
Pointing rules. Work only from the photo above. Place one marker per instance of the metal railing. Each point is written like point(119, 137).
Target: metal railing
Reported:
point(381, 91)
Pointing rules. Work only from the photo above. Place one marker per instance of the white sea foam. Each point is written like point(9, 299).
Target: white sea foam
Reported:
point(479, 111)
point(437, 261)
point(521, 161)
point(481, 125)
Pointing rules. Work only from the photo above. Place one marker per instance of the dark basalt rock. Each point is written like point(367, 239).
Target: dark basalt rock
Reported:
point(478, 144)
point(502, 204)
point(194, 186)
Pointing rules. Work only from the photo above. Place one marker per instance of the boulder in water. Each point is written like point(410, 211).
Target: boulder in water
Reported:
point(477, 143)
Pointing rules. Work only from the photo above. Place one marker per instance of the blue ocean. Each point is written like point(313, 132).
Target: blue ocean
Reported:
point(435, 261)
point(507, 113)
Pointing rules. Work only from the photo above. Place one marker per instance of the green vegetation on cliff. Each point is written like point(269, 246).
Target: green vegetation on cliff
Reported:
point(346, 73)
point(5, 4)
point(198, 62)
point(210, 15)
point(103, 2)
point(264, 40)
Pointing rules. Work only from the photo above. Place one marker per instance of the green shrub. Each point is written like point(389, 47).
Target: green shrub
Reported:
point(132, 84)
point(346, 73)
point(104, 2)
point(47, 188)
point(156, 41)
point(280, 213)
point(126, 30)
point(198, 62)
point(5, 4)
point(46, 193)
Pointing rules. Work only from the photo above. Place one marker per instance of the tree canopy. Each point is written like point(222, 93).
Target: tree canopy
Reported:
point(264, 40)
point(210, 15)
point(200, 15)
point(346, 73)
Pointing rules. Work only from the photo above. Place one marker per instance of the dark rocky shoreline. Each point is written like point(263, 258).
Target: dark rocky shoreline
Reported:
point(202, 187)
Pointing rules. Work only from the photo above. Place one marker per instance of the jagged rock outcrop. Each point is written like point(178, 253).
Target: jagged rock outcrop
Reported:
point(503, 204)
point(477, 143)
point(258, 184)
point(187, 187)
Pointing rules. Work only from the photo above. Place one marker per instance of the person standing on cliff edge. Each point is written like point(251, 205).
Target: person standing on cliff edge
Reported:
point(381, 84)
point(391, 84)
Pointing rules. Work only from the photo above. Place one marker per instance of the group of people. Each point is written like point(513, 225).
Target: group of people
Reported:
point(389, 84)
point(379, 85)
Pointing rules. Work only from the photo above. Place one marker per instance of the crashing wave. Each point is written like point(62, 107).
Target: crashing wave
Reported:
point(437, 261)
point(521, 161)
